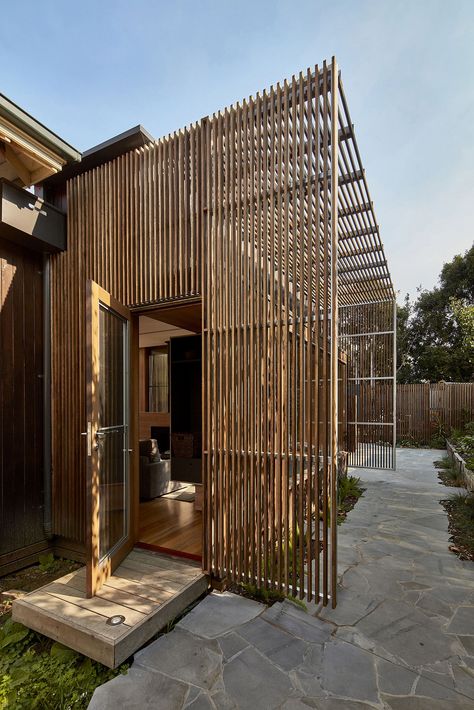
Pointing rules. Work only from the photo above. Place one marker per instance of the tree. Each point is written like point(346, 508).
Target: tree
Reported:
point(404, 360)
point(437, 331)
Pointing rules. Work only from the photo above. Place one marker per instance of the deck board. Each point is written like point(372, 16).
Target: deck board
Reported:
point(148, 589)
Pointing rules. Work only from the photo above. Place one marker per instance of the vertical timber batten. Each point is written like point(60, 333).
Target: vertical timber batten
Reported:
point(334, 328)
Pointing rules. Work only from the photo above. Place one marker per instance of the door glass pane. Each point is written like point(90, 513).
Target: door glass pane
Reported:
point(112, 434)
point(112, 333)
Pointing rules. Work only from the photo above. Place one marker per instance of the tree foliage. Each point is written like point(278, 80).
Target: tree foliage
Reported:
point(436, 332)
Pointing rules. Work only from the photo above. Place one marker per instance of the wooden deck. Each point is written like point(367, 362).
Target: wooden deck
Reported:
point(148, 589)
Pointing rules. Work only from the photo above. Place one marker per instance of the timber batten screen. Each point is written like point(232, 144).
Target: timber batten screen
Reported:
point(262, 211)
point(270, 339)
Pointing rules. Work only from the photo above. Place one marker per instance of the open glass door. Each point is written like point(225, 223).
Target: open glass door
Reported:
point(109, 535)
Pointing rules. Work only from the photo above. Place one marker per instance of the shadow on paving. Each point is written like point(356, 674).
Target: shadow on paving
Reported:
point(401, 637)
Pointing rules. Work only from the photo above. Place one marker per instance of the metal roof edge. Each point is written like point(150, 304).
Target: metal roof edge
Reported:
point(30, 125)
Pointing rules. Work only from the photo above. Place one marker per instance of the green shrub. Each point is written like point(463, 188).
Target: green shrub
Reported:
point(455, 478)
point(437, 441)
point(38, 674)
point(47, 562)
point(270, 596)
point(349, 487)
point(444, 464)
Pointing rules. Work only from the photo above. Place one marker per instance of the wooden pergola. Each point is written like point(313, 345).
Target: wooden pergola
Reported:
point(367, 312)
point(261, 214)
point(292, 242)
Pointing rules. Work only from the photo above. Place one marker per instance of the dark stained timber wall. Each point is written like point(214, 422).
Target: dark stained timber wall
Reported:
point(21, 401)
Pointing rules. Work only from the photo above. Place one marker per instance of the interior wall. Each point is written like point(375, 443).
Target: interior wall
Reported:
point(152, 333)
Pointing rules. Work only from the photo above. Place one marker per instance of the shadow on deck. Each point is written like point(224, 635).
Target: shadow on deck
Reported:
point(149, 590)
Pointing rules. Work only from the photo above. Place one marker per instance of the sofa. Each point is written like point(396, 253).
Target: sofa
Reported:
point(155, 471)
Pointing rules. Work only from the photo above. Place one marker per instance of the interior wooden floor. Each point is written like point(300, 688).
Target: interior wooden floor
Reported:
point(171, 524)
point(147, 589)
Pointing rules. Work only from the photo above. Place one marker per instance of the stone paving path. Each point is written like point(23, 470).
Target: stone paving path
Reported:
point(401, 637)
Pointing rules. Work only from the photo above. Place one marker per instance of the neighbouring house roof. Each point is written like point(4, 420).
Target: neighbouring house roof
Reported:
point(29, 151)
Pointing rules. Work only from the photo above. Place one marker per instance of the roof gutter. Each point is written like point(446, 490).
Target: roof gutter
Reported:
point(36, 130)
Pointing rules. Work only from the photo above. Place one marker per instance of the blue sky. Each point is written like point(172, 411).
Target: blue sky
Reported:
point(90, 70)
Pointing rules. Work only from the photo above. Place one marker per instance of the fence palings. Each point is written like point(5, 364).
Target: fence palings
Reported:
point(425, 410)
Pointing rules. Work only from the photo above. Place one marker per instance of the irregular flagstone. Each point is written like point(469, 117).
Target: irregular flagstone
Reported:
point(417, 702)
point(298, 704)
point(350, 671)
point(313, 660)
point(355, 581)
point(183, 656)
point(308, 684)
point(430, 603)
point(231, 644)
point(202, 702)
point(412, 586)
point(297, 622)
point(350, 608)
point(275, 643)
point(435, 688)
point(468, 644)
point(222, 701)
point(408, 634)
point(452, 595)
point(462, 621)
point(252, 681)
point(341, 704)
point(395, 679)
point(139, 689)
point(193, 693)
point(401, 638)
point(464, 680)
point(218, 613)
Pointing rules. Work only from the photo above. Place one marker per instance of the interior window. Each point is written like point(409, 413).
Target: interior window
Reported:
point(158, 385)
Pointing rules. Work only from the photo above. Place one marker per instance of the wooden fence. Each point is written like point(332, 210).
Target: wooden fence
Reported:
point(426, 410)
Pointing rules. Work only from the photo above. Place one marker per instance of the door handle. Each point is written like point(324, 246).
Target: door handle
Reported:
point(88, 434)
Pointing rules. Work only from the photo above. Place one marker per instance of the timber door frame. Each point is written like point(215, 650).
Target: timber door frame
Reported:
point(98, 570)
point(136, 312)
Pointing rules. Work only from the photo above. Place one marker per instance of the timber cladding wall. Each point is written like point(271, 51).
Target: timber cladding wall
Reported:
point(250, 209)
point(134, 227)
point(247, 196)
